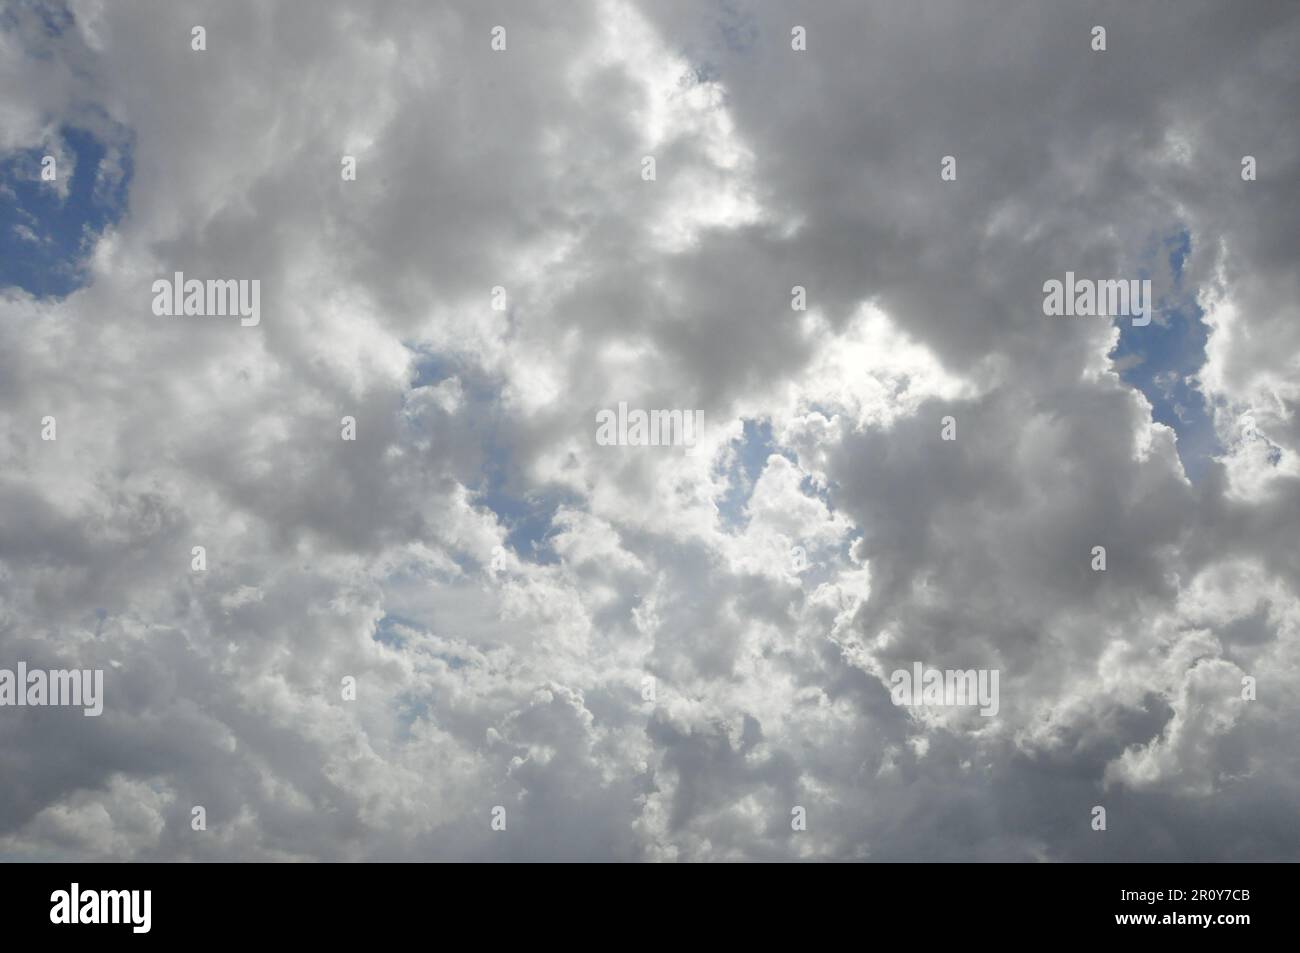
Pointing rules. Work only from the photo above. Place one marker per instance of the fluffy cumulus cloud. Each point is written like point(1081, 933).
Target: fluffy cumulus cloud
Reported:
point(667, 652)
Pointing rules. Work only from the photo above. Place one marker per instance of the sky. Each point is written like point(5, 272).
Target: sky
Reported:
point(560, 649)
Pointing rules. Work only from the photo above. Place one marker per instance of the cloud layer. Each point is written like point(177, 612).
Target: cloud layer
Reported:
point(644, 653)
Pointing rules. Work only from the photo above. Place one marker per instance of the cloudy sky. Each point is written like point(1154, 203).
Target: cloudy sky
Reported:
point(646, 653)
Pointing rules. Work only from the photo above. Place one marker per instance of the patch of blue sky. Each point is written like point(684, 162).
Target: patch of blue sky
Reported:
point(432, 367)
point(743, 468)
point(409, 709)
point(388, 632)
point(1162, 358)
point(48, 229)
point(36, 23)
point(528, 515)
